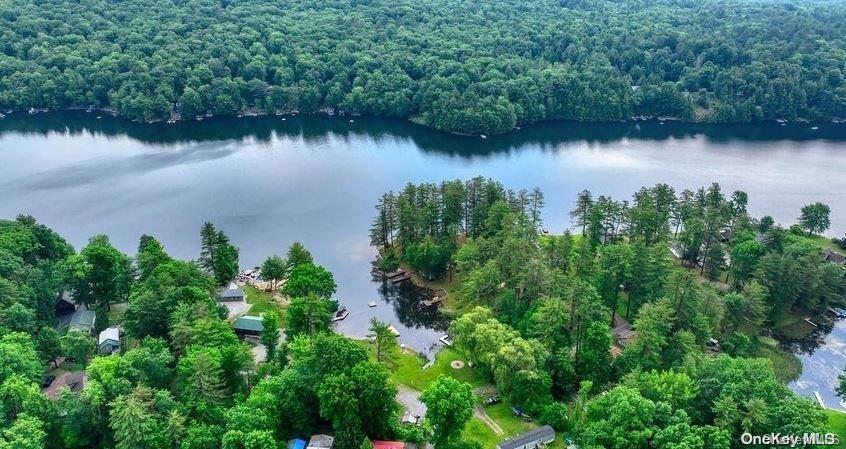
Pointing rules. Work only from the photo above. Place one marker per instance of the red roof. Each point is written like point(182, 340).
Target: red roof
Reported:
point(388, 445)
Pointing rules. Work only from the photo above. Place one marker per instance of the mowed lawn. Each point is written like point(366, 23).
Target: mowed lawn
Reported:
point(409, 372)
point(837, 421)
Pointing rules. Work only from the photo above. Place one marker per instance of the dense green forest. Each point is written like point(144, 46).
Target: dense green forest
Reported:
point(538, 312)
point(456, 65)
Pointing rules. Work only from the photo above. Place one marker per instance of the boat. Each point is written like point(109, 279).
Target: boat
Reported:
point(483, 136)
point(371, 304)
point(352, 121)
point(815, 128)
point(393, 330)
point(445, 340)
point(819, 398)
point(341, 314)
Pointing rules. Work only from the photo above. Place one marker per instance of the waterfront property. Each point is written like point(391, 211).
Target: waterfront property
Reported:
point(83, 321)
point(109, 340)
point(532, 439)
point(248, 325)
point(232, 293)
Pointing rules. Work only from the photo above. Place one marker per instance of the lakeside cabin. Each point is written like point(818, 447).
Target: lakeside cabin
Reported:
point(65, 304)
point(532, 439)
point(248, 326)
point(109, 341)
point(231, 293)
point(321, 441)
point(83, 321)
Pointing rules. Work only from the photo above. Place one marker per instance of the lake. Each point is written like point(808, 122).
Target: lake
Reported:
point(268, 182)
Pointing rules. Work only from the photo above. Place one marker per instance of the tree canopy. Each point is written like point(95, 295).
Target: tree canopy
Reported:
point(456, 65)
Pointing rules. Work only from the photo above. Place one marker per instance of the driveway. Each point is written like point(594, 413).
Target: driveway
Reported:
point(411, 406)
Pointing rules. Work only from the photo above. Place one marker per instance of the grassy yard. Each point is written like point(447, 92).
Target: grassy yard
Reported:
point(116, 312)
point(786, 365)
point(261, 301)
point(837, 421)
point(409, 372)
point(822, 242)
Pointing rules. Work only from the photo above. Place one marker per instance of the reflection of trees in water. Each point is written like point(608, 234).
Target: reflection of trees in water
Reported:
point(316, 129)
point(407, 301)
point(810, 343)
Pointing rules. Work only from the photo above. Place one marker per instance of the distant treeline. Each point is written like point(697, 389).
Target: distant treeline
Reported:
point(456, 65)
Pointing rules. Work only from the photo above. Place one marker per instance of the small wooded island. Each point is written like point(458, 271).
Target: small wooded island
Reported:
point(649, 327)
point(461, 66)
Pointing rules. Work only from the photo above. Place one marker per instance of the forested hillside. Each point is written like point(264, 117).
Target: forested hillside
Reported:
point(456, 65)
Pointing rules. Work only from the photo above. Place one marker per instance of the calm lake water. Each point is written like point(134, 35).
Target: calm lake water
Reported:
point(268, 182)
point(823, 357)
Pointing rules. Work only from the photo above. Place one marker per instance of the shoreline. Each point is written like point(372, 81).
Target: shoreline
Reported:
point(415, 120)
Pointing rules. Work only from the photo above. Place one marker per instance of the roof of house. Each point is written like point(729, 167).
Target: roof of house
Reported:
point(296, 444)
point(321, 441)
point(231, 292)
point(83, 319)
point(248, 323)
point(67, 297)
point(832, 256)
point(109, 333)
point(542, 433)
point(377, 444)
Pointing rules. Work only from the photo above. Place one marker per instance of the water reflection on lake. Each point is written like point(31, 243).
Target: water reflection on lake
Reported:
point(823, 357)
point(268, 182)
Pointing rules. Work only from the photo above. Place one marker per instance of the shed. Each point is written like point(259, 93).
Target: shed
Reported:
point(83, 320)
point(109, 340)
point(377, 444)
point(296, 444)
point(321, 441)
point(231, 293)
point(530, 440)
point(248, 325)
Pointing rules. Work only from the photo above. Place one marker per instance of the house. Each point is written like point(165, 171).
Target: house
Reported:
point(231, 293)
point(83, 320)
point(321, 441)
point(377, 444)
point(623, 333)
point(65, 304)
point(248, 325)
point(296, 444)
point(833, 257)
point(530, 440)
point(109, 340)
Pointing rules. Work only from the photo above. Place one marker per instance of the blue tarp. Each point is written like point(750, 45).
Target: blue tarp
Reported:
point(296, 444)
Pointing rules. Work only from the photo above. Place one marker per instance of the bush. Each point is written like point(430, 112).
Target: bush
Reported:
point(555, 414)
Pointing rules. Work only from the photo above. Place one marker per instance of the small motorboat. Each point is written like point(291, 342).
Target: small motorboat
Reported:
point(371, 304)
point(341, 314)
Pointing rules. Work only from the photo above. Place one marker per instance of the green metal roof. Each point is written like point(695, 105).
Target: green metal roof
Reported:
point(248, 323)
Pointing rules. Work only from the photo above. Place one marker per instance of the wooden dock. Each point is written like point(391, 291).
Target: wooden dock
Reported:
point(400, 278)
